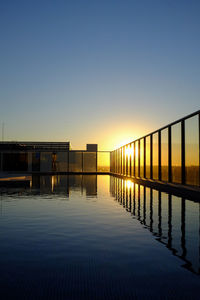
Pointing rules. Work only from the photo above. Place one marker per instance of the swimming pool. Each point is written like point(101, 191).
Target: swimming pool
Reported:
point(97, 237)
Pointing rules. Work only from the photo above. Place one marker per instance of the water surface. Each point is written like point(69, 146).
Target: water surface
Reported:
point(97, 237)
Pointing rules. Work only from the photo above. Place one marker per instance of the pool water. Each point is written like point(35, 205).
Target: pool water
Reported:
point(97, 237)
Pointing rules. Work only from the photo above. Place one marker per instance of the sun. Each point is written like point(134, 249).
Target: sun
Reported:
point(129, 151)
point(129, 184)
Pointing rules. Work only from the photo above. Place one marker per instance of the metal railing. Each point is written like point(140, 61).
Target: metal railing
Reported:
point(170, 154)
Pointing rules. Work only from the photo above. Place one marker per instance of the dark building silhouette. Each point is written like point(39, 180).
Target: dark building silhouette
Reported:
point(92, 147)
point(51, 157)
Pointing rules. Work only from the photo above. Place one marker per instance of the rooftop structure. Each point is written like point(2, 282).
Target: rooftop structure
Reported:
point(52, 157)
point(35, 146)
point(92, 147)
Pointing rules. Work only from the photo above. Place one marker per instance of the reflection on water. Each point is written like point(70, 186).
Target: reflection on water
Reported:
point(174, 221)
point(65, 237)
point(57, 184)
point(63, 184)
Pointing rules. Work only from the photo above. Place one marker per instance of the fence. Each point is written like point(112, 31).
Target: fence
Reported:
point(170, 154)
point(57, 161)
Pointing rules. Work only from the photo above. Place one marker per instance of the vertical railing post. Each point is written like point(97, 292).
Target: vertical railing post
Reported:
point(124, 161)
point(110, 161)
point(159, 156)
point(117, 161)
point(183, 151)
point(134, 159)
point(169, 154)
point(138, 158)
point(113, 170)
point(96, 161)
point(129, 170)
point(113, 158)
point(114, 161)
point(151, 156)
point(130, 160)
point(127, 164)
point(199, 149)
point(145, 157)
point(121, 159)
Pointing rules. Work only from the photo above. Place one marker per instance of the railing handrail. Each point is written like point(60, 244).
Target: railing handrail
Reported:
point(162, 128)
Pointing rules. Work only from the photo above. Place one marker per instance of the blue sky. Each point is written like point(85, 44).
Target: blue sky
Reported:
point(101, 72)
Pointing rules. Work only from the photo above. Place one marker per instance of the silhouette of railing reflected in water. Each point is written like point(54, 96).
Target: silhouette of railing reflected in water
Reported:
point(174, 221)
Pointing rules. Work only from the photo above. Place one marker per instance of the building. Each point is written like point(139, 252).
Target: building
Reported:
point(46, 157)
point(92, 147)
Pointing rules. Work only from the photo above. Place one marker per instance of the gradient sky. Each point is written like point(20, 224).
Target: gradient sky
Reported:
point(101, 72)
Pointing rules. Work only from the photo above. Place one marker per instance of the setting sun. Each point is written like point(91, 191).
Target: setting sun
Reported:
point(129, 184)
point(128, 151)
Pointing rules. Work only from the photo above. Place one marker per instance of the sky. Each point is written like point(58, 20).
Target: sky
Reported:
point(103, 72)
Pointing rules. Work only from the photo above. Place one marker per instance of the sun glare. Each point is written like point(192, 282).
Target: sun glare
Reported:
point(129, 184)
point(128, 151)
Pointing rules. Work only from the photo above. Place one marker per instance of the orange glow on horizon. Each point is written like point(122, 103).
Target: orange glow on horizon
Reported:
point(125, 142)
